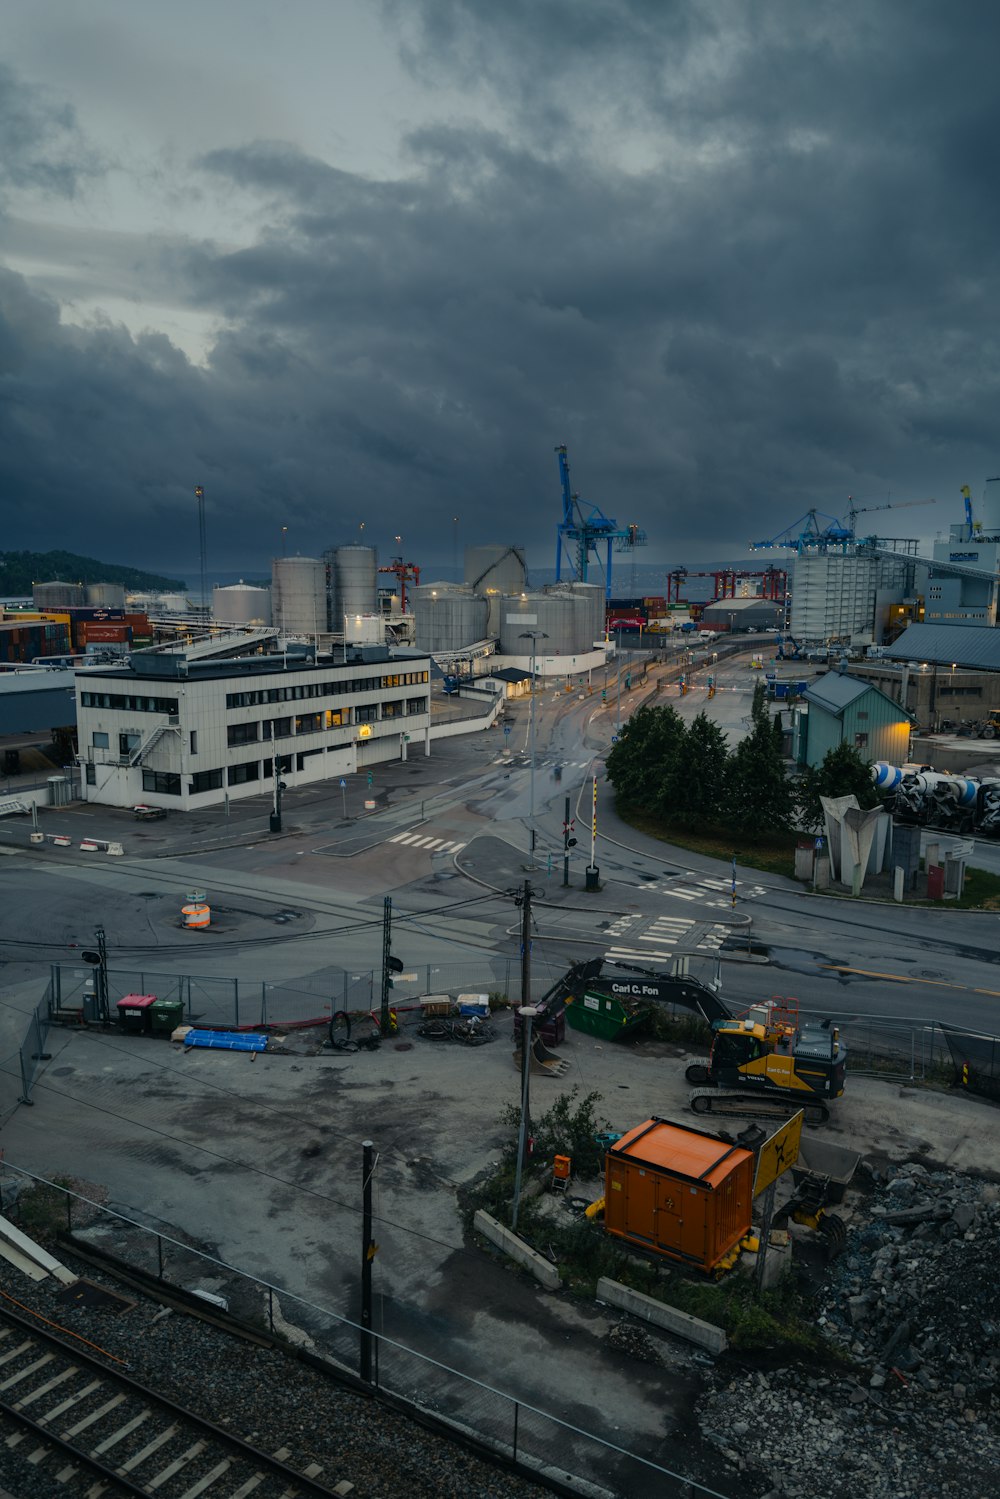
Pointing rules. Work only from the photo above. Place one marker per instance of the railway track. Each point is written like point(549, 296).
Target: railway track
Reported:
point(86, 1428)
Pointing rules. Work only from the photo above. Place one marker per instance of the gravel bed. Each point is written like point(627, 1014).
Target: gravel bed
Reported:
point(264, 1397)
point(912, 1308)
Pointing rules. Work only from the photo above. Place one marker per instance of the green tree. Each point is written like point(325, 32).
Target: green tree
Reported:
point(760, 800)
point(843, 772)
point(643, 765)
point(700, 791)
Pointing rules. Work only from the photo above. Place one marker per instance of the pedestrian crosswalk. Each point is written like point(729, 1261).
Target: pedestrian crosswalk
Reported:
point(640, 939)
point(431, 845)
point(708, 891)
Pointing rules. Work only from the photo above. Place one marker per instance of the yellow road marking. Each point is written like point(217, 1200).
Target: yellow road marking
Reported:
point(905, 978)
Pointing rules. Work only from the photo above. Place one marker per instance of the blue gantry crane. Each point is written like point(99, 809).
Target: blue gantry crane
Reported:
point(582, 533)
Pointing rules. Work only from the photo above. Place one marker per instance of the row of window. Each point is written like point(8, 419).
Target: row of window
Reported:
point(323, 718)
point(168, 783)
point(128, 702)
point(254, 698)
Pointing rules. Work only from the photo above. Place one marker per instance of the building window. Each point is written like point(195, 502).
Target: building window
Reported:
point(243, 733)
point(307, 723)
point(392, 710)
point(416, 705)
point(240, 774)
point(860, 740)
point(282, 728)
point(91, 771)
point(335, 718)
point(166, 782)
point(127, 743)
point(194, 741)
point(100, 740)
point(284, 766)
point(206, 780)
point(129, 702)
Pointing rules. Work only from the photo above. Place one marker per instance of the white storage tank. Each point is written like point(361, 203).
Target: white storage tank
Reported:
point(353, 572)
point(57, 595)
point(242, 604)
point(495, 568)
point(448, 616)
point(298, 595)
point(564, 620)
point(990, 514)
point(106, 595)
point(593, 596)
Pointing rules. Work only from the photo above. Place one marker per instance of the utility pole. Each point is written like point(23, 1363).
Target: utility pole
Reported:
point(386, 964)
point(367, 1255)
point(275, 823)
point(102, 977)
point(534, 636)
point(568, 842)
point(525, 903)
point(199, 495)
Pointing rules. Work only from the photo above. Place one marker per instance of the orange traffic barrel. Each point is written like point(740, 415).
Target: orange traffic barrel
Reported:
point(197, 916)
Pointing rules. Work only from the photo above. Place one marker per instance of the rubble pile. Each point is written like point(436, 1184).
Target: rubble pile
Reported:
point(912, 1307)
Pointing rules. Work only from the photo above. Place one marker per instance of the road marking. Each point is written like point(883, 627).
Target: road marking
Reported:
point(905, 978)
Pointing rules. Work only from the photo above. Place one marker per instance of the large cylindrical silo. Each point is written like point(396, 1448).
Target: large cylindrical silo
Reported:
point(448, 616)
point(298, 595)
point(352, 582)
point(241, 604)
point(495, 568)
point(594, 597)
point(106, 595)
point(57, 595)
point(562, 621)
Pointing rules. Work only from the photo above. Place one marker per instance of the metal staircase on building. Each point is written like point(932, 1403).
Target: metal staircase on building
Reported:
point(142, 750)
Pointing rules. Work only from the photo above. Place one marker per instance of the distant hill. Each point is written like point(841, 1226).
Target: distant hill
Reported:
point(18, 570)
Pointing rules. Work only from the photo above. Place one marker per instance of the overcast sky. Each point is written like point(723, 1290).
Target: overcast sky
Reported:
point(345, 261)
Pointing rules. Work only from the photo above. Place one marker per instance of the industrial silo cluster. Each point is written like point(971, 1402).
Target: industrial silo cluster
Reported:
point(338, 593)
point(493, 603)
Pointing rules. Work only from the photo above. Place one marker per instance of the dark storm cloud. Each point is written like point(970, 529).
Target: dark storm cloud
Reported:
point(41, 147)
point(791, 299)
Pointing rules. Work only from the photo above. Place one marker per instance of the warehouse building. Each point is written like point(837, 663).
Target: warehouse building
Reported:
point(176, 731)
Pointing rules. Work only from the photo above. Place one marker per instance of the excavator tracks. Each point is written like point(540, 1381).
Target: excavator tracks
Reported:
point(743, 1104)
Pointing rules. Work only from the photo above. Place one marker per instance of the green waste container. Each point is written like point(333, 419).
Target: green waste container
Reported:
point(607, 1016)
point(166, 1016)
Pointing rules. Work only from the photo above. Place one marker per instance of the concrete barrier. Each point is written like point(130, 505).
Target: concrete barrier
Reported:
point(545, 1273)
point(668, 1317)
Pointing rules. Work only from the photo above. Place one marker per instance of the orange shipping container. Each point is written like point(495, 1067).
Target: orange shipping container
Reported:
point(678, 1192)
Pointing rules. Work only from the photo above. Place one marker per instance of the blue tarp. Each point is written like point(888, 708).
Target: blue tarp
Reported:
point(226, 1040)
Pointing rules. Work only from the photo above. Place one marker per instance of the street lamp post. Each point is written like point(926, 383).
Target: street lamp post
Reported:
point(618, 716)
point(534, 636)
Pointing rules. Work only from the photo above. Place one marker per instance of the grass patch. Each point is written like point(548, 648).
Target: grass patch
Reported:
point(40, 1212)
point(774, 856)
point(780, 1320)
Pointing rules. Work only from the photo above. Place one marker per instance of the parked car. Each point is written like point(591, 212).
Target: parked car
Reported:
point(143, 813)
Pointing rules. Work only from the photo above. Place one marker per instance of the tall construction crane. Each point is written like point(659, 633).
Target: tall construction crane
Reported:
point(581, 535)
point(854, 511)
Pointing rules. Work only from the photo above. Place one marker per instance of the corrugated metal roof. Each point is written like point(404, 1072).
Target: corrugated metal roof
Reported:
point(838, 690)
point(975, 646)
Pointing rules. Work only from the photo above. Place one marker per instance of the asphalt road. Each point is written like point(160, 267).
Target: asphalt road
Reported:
point(225, 1151)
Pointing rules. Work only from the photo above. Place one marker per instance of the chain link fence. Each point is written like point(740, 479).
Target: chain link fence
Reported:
point(465, 1407)
point(233, 1002)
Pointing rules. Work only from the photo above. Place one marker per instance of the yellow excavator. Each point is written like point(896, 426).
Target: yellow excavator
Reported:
point(765, 1063)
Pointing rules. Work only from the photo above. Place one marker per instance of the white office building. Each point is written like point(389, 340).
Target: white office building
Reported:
point(183, 733)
